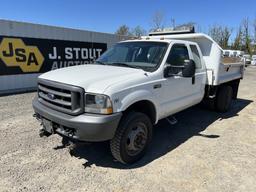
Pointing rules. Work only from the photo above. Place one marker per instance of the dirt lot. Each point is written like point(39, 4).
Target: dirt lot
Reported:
point(205, 151)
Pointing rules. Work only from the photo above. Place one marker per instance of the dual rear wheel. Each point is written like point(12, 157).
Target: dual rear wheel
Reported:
point(223, 100)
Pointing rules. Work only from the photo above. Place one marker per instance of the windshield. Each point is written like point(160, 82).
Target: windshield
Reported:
point(143, 55)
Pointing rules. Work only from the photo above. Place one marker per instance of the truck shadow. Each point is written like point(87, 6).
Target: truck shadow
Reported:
point(191, 122)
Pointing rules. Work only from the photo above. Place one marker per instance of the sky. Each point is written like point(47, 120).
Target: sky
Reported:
point(107, 16)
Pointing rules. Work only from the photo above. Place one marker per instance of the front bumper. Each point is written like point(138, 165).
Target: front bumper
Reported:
point(86, 127)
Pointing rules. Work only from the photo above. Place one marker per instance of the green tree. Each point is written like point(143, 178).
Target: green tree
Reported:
point(246, 36)
point(226, 33)
point(254, 36)
point(237, 45)
point(215, 32)
point(157, 21)
point(221, 34)
point(123, 30)
point(138, 31)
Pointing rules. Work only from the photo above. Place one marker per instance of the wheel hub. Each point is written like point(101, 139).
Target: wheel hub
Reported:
point(136, 139)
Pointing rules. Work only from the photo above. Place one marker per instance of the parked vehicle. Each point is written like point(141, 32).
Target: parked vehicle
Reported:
point(132, 86)
point(226, 53)
point(233, 53)
point(237, 53)
point(253, 62)
point(247, 59)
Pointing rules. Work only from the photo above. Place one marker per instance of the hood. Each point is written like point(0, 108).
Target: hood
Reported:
point(93, 78)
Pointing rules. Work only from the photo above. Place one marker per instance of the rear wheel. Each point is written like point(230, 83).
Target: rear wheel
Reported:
point(209, 103)
point(132, 137)
point(224, 98)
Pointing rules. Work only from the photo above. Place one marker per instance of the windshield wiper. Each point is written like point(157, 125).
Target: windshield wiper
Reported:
point(124, 65)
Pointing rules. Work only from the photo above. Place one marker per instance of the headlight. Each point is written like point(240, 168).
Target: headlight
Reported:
point(96, 103)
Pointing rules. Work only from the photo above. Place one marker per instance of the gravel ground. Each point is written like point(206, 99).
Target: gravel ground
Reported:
point(205, 151)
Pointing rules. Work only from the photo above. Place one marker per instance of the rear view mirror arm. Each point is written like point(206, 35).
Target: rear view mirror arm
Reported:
point(175, 66)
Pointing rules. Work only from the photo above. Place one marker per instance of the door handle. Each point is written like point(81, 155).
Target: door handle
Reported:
point(193, 80)
point(157, 86)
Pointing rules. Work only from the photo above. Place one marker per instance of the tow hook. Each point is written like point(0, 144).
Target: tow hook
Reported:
point(36, 116)
point(43, 133)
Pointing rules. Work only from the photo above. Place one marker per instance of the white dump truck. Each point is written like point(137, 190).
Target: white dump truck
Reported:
point(132, 86)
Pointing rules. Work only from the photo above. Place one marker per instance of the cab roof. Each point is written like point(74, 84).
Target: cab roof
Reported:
point(191, 37)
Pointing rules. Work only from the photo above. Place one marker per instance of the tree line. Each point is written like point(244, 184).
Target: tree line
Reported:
point(244, 35)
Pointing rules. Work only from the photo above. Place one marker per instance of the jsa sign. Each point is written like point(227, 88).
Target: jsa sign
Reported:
point(19, 55)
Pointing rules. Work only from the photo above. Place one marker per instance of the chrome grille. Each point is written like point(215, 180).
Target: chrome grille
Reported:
point(61, 97)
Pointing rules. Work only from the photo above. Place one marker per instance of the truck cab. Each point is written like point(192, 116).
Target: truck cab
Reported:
point(131, 87)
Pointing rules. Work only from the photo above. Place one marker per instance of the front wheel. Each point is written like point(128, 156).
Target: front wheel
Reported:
point(132, 138)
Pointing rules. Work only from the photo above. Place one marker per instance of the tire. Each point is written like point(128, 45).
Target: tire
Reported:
point(209, 103)
point(132, 138)
point(224, 98)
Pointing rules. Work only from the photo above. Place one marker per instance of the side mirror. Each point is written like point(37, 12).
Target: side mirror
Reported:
point(189, 68)
point(167, 71)
point(186, 70)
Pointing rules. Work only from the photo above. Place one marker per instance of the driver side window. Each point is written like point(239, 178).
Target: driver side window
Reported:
point(177, 56)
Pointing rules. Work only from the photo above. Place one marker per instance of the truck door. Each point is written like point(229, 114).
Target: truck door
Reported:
point(200, 75)
point(180, 92)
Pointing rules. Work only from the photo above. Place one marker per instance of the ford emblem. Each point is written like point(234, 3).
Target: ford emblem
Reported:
point(51, 96)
